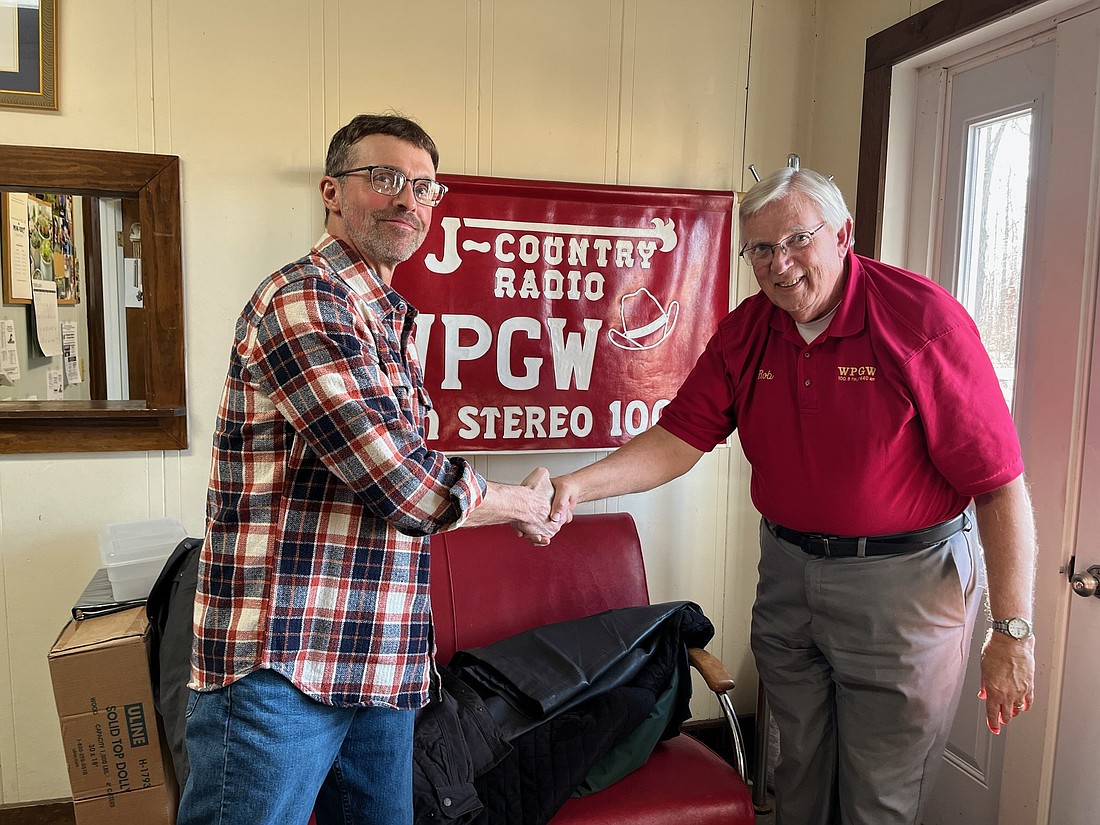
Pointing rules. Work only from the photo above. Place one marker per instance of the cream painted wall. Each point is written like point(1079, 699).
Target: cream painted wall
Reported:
point(843, 27)
point(248, 93)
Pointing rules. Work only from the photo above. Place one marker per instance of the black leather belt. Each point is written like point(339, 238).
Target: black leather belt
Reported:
point(820, 544)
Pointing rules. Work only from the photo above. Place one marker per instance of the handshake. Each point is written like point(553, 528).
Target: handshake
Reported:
point(539, 506)
point(544, 505)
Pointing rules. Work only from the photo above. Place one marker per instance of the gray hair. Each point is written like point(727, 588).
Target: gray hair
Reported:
point(811, 185)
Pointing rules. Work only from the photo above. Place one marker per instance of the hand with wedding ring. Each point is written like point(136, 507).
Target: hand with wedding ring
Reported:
point(1008, 678)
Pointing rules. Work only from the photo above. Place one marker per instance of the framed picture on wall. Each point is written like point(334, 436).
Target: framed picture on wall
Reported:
point(15, 248)
point(28, 54)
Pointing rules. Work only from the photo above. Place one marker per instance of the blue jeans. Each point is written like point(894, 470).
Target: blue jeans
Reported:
point(264, 753)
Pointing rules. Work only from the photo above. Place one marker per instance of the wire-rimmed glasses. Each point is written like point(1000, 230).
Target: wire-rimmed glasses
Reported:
point(762, 253)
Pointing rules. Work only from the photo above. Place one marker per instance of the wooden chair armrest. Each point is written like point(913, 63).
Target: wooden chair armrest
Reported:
point(717, 677)
point(719, 680)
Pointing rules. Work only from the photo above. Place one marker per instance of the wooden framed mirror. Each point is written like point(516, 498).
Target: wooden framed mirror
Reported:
point(154, 415)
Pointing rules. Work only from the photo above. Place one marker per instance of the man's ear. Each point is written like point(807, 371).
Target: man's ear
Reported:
point(330, 194)
point(845, 236)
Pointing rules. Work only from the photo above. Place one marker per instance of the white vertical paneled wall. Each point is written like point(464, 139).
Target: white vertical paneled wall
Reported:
point(248, 93)
point(841, 32)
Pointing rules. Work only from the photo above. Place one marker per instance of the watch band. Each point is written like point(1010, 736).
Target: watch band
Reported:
point(1014, 627)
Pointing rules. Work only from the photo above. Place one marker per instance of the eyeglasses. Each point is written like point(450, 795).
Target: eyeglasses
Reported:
point(385, 180)
point(762, 253)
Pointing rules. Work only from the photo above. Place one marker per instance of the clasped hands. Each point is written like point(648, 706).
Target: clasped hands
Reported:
point(550, 504)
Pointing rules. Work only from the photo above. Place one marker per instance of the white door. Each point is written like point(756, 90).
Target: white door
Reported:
point(995, 141)
point(1020, 249)
point(1074, 243)
point(1075, 799)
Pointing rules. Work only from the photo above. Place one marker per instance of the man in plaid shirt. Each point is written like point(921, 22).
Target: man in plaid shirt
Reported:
point(313, 635)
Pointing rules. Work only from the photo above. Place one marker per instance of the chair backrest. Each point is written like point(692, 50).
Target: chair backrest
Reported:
point(487, 583)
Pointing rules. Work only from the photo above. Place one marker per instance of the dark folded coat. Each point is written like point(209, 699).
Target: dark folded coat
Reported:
point(562, 697)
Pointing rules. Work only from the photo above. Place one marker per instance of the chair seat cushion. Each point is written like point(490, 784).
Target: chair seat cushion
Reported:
point(684, 781)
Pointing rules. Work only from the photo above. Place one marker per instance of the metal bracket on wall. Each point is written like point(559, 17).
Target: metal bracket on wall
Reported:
point(792, 163)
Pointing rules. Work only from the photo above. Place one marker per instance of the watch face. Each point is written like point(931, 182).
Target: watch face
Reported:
point(1018, 629)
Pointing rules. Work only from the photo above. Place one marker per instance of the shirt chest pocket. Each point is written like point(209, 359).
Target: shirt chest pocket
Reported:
point(407, 395)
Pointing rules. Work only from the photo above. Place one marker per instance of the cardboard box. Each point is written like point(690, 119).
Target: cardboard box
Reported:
point(119, 768)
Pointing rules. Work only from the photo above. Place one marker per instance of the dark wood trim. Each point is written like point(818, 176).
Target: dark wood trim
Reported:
point(923, 31)
point(45, 812)
point(162, 254)
point(90, 426)
point(935, 25)
point(80, 171)
point(159, 423)
point(93, 285)
point(871, 183)
point(59, 410)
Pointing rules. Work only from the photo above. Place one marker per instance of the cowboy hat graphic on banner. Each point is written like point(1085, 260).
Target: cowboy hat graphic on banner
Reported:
point(646, 324)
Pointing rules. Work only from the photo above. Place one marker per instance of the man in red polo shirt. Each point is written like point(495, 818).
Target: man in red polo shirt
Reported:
point(872, 419)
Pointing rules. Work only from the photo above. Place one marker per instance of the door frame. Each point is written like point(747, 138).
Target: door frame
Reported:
point(893, 57)
point(943, 23)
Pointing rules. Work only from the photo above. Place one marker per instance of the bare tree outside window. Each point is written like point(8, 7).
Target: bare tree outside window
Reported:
point(997, 177)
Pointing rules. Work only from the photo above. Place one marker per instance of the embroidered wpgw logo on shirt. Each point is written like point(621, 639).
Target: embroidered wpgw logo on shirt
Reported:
point(856, 373)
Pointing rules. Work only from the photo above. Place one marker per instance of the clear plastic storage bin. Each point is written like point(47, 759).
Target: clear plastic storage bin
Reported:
point(135, 552)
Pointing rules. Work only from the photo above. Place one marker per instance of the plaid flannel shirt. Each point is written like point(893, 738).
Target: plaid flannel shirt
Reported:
point(322, 493)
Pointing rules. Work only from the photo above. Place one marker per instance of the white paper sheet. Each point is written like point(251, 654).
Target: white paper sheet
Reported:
point(45, 317)
point(71, 352)
point(55, 385)
point(9, 352)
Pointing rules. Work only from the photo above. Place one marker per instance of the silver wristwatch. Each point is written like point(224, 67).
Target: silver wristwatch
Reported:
point(1014, 628)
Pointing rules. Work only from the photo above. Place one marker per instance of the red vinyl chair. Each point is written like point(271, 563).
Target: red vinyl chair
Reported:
point(487, 584)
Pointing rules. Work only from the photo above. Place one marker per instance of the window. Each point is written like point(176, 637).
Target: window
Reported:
point(998, 161)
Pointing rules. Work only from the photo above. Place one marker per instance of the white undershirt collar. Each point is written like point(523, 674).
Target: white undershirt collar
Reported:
point(813, 329)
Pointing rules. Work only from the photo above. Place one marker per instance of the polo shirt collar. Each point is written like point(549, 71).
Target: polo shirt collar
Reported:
point(851, 317)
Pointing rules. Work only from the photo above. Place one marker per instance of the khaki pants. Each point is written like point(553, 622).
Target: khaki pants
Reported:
point(862, 661)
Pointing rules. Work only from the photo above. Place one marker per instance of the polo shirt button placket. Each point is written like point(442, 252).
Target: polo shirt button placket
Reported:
point(808, 399)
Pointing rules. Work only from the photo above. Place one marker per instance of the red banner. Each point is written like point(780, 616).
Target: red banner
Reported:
point(559, 316)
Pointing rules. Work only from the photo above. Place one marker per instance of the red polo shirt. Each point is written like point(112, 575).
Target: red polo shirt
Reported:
point(891, 420)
